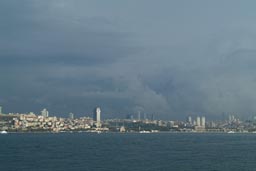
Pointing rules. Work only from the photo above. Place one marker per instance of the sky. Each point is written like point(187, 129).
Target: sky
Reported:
point(170, 58)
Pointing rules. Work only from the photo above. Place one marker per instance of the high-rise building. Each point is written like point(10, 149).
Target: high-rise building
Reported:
point(96, 114)
point(203, 121)
point(145, 116)
point(139, 115)
point(194, 122)
point(1, 110)
point(96, 117)
point(71, 115)
point(189, 119)
point(198, 122)
point(152, 117)
point(45, 113)
point(231, 118)
point(129, 116)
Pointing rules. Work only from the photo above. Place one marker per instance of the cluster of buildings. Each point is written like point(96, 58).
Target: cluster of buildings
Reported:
point(198, 123)
point(31, 122)
point(43, 122)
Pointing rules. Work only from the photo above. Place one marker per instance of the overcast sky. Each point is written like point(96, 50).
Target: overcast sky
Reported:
point(170, 58)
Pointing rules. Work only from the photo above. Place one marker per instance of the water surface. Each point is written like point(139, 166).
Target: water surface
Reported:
point(127, 152)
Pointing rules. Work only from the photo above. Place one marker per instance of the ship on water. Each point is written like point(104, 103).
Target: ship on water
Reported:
point(3, 132)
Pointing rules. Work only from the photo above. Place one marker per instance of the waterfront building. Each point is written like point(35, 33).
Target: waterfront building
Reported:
point(1, 110)
point(122, 129)
point(160, 123)
point(171, 124)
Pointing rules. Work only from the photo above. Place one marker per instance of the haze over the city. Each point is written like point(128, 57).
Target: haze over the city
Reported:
point(170, 58)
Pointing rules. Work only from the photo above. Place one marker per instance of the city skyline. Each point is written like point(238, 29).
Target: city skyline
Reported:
point(31, 122)
point(96, 115)
point(168, 58)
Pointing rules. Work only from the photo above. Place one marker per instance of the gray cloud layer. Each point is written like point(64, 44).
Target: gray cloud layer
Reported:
point(183, 58)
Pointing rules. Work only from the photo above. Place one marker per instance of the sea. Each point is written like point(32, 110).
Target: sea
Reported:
point(127, 152)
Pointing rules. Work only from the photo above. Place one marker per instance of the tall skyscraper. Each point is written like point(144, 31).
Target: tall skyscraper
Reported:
point(198, 122)
point(129, 116)
point(139, 115)
point(203, 121)
point(189, 119)
point(45, 113)
point(231, 118)
point(152, 117)
point(145, 116)
point(1, 110)
point(96, 117)
point(96, 114)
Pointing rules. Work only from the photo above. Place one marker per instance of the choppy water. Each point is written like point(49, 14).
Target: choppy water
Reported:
point(127, 152)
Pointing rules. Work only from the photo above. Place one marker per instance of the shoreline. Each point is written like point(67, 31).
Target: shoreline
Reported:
point(109, 132)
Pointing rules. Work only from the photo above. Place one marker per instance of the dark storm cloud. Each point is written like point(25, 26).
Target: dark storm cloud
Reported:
point(42, 38)
point(65, 62)
point(183, 58)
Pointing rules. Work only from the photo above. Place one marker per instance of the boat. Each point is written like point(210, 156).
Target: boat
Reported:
point(231, 132)
point(154, 131)
point(3, 132)
point(144, 132)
